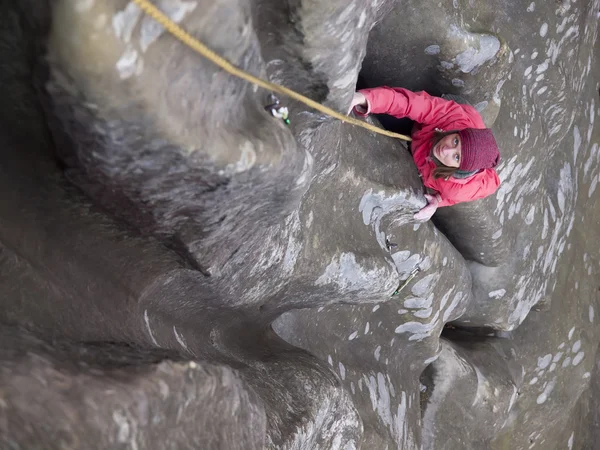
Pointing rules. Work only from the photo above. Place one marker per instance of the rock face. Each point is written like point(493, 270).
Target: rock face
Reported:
point(179, 269)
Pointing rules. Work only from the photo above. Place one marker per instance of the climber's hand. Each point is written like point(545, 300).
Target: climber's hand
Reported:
point(429, 210)
point(359, 101)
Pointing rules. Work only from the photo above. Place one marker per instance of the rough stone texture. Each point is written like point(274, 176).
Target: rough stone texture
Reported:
point(178, 269)
point(117, 397)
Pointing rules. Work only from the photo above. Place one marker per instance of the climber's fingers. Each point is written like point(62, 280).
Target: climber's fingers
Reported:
point(429, 210)
point(359, 101)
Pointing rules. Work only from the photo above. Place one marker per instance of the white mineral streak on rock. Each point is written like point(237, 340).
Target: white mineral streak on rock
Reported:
point(377, 353)
point(445, 299)
point(342, 371)
point(473, 57)
point(513, 398)
point(544, 361)
point(163, 387)
point(432, 50)
point(381, 402)
point(327, 418)
point(591, 191)
point(547, 391)
point(147, 322)
point(419, 330)
point(418, 302)
point(307, 170)
point(124, 428)
point(576, 142)
point(423, 313)
point(592, 158)
point(498, 294)
point(426, 263)
point(127, 63)
point(546, 225)
point(247, 159)
point(511, 176)
point(530, 216)
point(543, 67)
point(480, 107)
point(484, 391)
point(578, 358)
point(175, 9)
point(401, 256)
point(180, 339)
point(346, 80)
point(293, 245)
point(425, 285)
point(592, 118)
point(571, 440)
point(125, 21)
point(362, 19)
point(309, 221)
point(455, 302)
point(375, 206)
point(380, 397)
point(401, 431)
point(346, 273)
point(405, 267)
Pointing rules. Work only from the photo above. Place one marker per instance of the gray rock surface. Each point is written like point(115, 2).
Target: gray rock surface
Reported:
point(98, 396)
point(178, 269)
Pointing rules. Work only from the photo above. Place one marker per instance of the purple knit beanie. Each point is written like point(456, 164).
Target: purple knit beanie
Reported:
point(478, 149)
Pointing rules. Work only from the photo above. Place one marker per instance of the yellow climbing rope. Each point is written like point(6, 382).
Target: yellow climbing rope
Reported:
point(199, 47)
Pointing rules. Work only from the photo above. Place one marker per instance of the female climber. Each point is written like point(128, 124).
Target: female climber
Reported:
point(454, 152)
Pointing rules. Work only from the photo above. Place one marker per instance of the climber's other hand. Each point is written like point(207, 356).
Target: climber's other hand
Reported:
point(359, 101)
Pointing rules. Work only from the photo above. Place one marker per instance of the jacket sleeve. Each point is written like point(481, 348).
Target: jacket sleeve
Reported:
point(453, 193)
point(420, 107)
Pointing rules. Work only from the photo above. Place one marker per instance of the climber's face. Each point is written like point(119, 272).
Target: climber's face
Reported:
point(448, 150)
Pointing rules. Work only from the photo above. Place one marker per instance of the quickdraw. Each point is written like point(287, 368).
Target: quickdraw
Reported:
point(413, 274)
point(276, 110)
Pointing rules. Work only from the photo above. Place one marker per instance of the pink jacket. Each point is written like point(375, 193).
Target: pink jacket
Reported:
point(433, 113)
